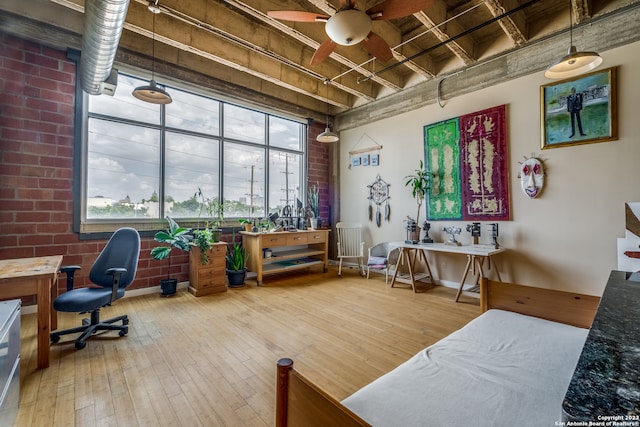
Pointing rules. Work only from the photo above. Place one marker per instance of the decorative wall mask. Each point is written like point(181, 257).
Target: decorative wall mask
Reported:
point(531, 176)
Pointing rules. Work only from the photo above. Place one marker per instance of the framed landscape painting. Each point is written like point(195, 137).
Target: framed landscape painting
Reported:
point(580, 110)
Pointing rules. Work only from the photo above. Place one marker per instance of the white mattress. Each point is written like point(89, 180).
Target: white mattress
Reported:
point(501, 369)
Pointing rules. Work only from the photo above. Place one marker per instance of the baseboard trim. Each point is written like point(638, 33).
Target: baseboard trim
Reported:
point(33, 309)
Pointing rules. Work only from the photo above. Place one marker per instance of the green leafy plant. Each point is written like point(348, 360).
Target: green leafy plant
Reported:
point(203, 239)
point(247, 223)
point(314, 200)
point(419, 182)
point(236, 257)
point(213, 208)
point(173, 237)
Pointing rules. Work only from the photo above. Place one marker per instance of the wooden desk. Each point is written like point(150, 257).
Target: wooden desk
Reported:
point(34, 276)
point(476, 255)
point(291, 250)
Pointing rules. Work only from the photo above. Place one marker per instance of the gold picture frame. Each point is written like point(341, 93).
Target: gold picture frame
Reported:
point(580, 110)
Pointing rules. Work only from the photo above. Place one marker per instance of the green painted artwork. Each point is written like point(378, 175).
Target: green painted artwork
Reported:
point(442, 157)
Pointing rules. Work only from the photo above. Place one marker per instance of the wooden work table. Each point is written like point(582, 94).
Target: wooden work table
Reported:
point(34, 276)
point(476, 256)
point(290, 250)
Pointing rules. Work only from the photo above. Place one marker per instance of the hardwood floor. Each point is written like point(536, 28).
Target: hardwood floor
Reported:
point(210, 361)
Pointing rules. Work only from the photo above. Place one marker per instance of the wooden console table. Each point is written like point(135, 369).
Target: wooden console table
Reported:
point(290, 250)
point(476, 255)
point(34, 276)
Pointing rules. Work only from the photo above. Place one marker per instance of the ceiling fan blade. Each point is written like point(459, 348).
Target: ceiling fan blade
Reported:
point(377, 47)
point(346, 4)
point(297, 16)
point(393, 9)
point(323, 52)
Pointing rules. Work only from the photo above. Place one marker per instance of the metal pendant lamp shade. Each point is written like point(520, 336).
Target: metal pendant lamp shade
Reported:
point(152, 93)
point(573, 63)
point(327, 136)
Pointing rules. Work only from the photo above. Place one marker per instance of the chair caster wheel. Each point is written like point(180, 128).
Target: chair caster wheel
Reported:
point(123, 332)
point(80, 345)
point(55, 338)
point(125, 321)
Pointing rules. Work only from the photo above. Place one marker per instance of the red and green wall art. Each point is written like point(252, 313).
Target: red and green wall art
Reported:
point(468, 159)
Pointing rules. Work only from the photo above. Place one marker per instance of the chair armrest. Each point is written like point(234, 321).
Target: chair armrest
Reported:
point(117, 273)
point(70, 271)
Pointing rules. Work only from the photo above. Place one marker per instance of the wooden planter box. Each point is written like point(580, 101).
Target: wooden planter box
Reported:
point(205, 279)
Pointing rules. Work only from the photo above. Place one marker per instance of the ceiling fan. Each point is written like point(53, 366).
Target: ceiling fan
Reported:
point(349, 26)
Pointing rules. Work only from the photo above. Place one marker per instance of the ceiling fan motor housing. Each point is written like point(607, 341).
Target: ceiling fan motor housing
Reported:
point(348, 27)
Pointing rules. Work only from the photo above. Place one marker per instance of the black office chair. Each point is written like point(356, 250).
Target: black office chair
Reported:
point(114, 270)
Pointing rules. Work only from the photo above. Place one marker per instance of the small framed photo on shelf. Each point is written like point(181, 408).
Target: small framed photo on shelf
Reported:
point(375, 159)
point(365, 160)
point(355, 161)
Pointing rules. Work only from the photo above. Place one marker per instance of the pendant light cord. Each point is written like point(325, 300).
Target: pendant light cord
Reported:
point(570, 24)
point(327, 82)
point(153, 48)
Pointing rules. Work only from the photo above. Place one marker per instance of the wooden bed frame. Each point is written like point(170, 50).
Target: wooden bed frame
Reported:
point(299, 402)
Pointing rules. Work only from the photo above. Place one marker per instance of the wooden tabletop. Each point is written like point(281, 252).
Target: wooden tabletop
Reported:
point(478, 250)
point(30, 267)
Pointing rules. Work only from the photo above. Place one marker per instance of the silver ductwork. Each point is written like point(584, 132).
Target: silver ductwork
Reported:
point(103, 24)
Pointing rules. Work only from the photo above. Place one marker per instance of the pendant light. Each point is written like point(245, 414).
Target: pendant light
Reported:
point(327, 136)
point(573, 63)
point(151, 92)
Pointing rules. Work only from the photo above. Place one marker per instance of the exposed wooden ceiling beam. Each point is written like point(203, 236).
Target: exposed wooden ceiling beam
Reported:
point(508, 24)
point(432, 20)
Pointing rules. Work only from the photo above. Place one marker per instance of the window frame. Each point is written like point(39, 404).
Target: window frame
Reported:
point(94, 227)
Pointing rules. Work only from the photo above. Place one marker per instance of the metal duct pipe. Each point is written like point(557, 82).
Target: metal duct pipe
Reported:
point(103, 23)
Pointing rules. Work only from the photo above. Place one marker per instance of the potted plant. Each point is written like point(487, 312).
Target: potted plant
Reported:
point(204, 237)
point(419, 182)
point(314, 206)
point(214, 210)
point(236, 264)
point(248, 224)
point(174, 237)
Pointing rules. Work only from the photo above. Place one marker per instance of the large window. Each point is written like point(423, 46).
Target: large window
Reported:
point(148, 161)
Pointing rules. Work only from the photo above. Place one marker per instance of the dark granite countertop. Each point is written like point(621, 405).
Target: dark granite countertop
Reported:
point(606, 382)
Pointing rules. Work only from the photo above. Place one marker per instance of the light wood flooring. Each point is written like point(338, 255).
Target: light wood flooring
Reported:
point(210, 361)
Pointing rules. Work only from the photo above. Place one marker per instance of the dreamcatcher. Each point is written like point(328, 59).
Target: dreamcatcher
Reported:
point(379, 194)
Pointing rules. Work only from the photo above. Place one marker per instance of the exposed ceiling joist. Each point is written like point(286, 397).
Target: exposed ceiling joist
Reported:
point(236, 42)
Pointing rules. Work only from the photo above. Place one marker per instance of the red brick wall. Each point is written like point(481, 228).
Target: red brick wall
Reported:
point(318, 167)
point(37, 87)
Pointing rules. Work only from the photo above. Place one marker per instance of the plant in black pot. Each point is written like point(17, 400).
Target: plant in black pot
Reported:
point(174, 237)
point(236, 265)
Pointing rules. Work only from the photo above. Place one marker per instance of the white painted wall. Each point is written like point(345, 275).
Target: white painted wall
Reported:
point(564, 239)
